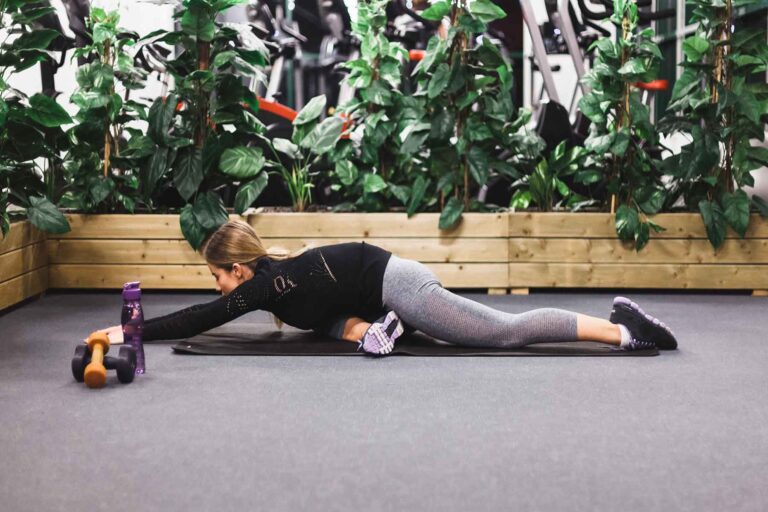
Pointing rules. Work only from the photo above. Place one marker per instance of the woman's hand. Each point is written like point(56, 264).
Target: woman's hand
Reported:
point(114, 333)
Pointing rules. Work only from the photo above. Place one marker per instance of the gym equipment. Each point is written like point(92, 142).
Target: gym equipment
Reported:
point(252, 340)
point(286, 48)
point(90, 364)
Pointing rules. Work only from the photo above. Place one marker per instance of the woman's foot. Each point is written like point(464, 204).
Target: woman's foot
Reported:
point(641, 330)
point(380, 337)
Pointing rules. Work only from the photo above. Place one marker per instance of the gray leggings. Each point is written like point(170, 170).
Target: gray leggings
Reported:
point(413, 291)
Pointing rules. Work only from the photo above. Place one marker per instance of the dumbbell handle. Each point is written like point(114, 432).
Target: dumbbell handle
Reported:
point(98, 354)
point(95, 372)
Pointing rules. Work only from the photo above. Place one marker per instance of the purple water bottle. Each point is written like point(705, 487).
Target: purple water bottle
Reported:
point(132, 319)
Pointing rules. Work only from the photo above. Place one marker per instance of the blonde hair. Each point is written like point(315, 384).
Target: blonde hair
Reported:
point(237, 242)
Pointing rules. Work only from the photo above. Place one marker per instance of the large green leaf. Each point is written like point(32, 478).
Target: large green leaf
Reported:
point(154, 169)
point(249, 192)
point(286, 147)
point(324, 136)
point(44, 215)
point(417, 194)
point(627, 222)
point(451, 214)
point(714, 221)
point(242, 162)
point(347, 172)
point(88, 100)
point(47, 112)
point(736, 211)
point(188, 171)
point(191, 228)
point(590, 107)
point(311, 110)
point(209, 210)
point(413, 136)
point(479, 167)
point(373, 183)
point(161, 118)
point(695, 47)
point(486, 11)
point(29, 15)
point(439, 80)
point(198, 22)
point(437, 11)
point(35, 40)
point(633, 67)
point(100, 187)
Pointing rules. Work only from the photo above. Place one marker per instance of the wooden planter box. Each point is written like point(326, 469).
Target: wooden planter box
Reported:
point(580, 250)
point(498, 252)
point(23, 264)
point(105, 251)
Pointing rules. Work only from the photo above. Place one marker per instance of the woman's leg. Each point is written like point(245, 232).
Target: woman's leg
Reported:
point(417, 296)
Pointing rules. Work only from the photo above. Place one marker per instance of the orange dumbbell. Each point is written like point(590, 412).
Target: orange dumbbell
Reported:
point(90, 363)
point(96, 372)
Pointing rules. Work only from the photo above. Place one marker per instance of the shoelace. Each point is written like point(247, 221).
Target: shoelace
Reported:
point(639, 344)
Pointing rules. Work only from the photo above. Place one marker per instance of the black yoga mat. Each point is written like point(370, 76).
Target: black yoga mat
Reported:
point(259, 340)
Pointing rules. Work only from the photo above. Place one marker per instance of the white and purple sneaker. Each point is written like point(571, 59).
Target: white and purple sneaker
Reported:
point(380, 337)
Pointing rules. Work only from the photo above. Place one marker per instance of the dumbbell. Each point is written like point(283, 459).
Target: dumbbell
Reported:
point(90, 363)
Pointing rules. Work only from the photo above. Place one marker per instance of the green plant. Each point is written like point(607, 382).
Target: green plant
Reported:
point(376, 112)
point(206, 133)
point(101, 166)
point(721, 110)
point(621, 132)
point(311, 139)
point(545, 184)
point(470, 127)
point(30, 127)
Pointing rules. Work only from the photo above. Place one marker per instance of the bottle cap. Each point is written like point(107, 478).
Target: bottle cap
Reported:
point(131, 291)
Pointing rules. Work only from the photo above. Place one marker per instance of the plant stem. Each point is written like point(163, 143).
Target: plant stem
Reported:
point(203, 61)
point(107, 144)
point(622, 116)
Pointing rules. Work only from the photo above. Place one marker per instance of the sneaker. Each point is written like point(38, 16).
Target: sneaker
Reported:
point(380, 337)
point(646, 330)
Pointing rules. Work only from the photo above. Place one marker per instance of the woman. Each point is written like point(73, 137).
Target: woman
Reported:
point(362, 293)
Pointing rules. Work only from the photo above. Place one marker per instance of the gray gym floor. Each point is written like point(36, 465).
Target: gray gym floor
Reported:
point(686, 430)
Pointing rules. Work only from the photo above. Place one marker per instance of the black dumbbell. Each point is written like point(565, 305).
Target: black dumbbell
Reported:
point(124, 363)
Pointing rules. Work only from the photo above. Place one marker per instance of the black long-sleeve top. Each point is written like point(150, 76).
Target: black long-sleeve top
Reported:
point(308, 292)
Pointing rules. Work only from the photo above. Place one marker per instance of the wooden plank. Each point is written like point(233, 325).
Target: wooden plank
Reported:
point(376, 225)
point(20, 261)
point(135, 252)
point(443, 250)
point(602, 225)
point(124, 226)
point(612, 250)
point(21, 234)
point(603, 275)
point(454, 275)
point(22, 287)
point(114, 276)
point(309, 225)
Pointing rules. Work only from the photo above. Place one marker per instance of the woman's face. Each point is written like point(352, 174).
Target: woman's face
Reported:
point(226, 281)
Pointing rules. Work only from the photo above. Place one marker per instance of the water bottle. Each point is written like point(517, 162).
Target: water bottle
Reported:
point(132, 319)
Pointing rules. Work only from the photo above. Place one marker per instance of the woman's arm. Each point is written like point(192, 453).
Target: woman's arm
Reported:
point(248, 296)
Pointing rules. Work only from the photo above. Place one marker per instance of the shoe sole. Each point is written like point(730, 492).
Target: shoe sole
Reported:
point(379, 332)
point(626, 303)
